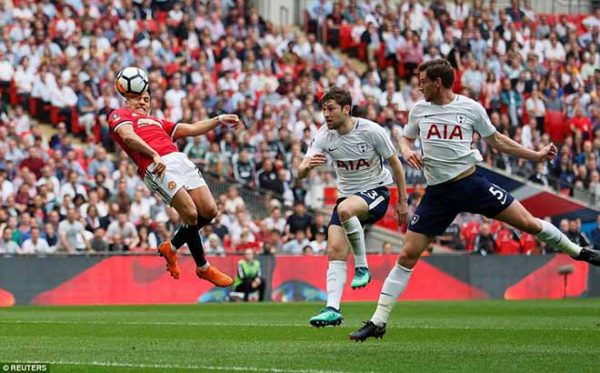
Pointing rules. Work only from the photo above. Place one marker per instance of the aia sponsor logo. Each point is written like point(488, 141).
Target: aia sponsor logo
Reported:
point(353, 165)
point(444, 132)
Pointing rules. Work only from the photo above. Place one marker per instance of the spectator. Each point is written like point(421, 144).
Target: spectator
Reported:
point(300, 220)
point(7, 245)
point(195, 149)
point(580, 124)
point(536, 108)
point(72, 187)
point(71, 233)
point(99, 162)
point(540, 176)
point(387, 248)
point(575, 234)
point(275, 221)
point(98, 242)
point(511, 100)
point(267, 178)
point(319, 244)
point(36, 244)
point(452, 237)
point(122, 233)
point(51, 236)
point(596, 234)
point(214, 246)
point(294, 246)
point(147, 240)
point(484, 241)
point(220, 230)
point(233, 201)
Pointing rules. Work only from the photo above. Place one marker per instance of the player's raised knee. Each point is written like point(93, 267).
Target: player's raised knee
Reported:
point(211, 211)
point(408, 259)
point(189, 216)
point(336, 253)
point(345, 212)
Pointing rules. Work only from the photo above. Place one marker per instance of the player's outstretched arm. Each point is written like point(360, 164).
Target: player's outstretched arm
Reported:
point(201, 127)
point(398, 172)
point(507, 145)
point(136, 143)
point(308, 163)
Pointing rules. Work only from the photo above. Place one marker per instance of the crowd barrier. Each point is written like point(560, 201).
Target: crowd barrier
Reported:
point(141, 279)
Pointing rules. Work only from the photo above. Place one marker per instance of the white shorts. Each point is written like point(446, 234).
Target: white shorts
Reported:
point(180, 173)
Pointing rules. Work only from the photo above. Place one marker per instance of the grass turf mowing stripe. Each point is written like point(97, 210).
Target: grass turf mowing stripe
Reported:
point(490, 336)
point(114, 364)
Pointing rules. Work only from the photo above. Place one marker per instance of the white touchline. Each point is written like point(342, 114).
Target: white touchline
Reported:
point(273, 325)
point(158, 323)
point(172, 366)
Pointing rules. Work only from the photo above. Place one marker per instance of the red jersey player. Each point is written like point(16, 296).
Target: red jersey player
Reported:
point(149, 143)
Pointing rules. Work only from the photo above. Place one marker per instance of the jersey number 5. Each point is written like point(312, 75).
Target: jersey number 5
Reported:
point(498, 193)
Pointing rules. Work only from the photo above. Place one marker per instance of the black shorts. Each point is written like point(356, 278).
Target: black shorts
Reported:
point(442, 202)
point(378, 200)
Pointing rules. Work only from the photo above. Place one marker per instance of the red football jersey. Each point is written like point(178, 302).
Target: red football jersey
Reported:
point(157, 133)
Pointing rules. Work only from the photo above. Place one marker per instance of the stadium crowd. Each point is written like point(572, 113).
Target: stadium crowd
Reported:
point(58, 61)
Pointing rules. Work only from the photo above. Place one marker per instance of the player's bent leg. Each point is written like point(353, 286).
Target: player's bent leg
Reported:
point(185, 206)
point(518, 216)
point(183, 203)
point(337, 252)
point(206, 209)
point(205, 204)
point(351, 211)
point(395, 283)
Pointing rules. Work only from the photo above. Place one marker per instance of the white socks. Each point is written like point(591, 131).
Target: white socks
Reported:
point(393, 286)
point(555, 238)
point(336, 279)
point(356, 238)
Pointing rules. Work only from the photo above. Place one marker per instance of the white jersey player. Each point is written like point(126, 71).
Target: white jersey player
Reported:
point(358, 148)
point(445, 124)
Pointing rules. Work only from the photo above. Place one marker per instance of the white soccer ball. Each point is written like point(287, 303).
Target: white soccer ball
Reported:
point(131, 81)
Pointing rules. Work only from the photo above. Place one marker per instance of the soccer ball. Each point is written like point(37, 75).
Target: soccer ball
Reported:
point(131, 81)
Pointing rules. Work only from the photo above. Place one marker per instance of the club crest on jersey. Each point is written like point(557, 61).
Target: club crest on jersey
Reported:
point(461, 118)
point(115, 116)
point(171, 185)
point(363, 147)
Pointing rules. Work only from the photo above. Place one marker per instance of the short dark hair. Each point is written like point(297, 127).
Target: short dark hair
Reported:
point(341, 96)
point(439, 68)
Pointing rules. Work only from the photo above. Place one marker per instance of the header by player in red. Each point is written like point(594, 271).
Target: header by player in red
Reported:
point(148, 141)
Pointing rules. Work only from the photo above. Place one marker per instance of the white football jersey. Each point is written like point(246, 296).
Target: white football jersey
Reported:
point(446, 133)
point(357, 156)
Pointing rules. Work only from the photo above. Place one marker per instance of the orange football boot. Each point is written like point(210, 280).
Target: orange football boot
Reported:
point(165, 250)
point(214, 276)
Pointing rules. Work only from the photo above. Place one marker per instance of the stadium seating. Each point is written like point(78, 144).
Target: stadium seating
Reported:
point(163, 48)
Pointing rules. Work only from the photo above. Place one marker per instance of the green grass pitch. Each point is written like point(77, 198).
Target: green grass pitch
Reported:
point(486, 336)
